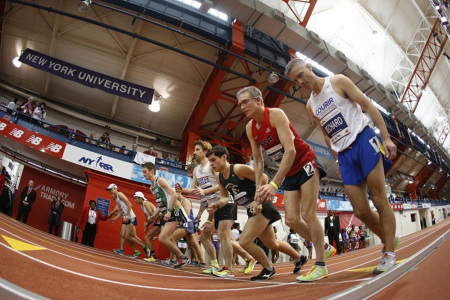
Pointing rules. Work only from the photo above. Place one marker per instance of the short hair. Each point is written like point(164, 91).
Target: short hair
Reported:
point(150, 166)
point(90, 202)
point(43, 103)
point(218, 151)
point(296, 62)
point(204, 144)
point(253, 91)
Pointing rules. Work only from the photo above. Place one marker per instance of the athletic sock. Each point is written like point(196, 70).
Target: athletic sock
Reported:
point(320, 263)
point(270, 269)
point(326, 247)
point(152, 253)
point(390, 253)
point(214, 263)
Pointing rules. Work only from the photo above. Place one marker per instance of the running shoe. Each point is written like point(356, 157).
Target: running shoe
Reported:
point(316, 273)
point(168, 262)
point(264, 275)
point(181, 263)
point(194, 264)
point(387, 262)
point(147, 251)
point(249, 266)
point(211, 270)
point(119, 251)
point(329, 253)
point(201, 266)
point(151, 259)
point(224, 273)
point(298, 264)
point(135, 254)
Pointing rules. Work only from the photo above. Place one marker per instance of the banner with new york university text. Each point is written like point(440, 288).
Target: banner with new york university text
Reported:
point(87, 77)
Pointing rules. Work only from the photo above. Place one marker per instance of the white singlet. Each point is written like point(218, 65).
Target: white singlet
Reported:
point(342, 119)
point(124, 208)
point(147, 215)
point(207, 179)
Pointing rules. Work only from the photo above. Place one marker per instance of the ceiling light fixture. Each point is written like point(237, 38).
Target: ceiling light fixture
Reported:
point(155, 106)
point(273, 77)
point(16, 62)
point(83, 6)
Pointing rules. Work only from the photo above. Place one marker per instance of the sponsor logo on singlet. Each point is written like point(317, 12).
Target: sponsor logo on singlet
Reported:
point(324, 106)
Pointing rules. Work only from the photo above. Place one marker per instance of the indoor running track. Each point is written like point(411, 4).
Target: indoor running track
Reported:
point(54, 268)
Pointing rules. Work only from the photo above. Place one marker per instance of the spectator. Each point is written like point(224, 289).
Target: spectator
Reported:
point(332, 229)
point(105, 140)
point(177, 164)
point(27, 198)
point(345, 240)
point(133, 151)
point(12, 106)
point(92, 138)
point(39, 114)
point(88, 223)
point(122, 149)
point(27, 108)
point(151, 151)
point(56, 210)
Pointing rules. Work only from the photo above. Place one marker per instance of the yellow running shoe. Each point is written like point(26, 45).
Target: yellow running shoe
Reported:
point(316, 273)
point(151, 259)
point(250, 265)
point(211, 270)
point(224, 273)
point(329, 253)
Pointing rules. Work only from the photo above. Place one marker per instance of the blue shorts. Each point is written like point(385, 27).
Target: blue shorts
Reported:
point(216, 244)
point(131, 221)
point(294, 182)
point(188, 226)
point(358, 160)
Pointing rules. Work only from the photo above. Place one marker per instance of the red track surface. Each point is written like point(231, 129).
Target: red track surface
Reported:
point(65, 270)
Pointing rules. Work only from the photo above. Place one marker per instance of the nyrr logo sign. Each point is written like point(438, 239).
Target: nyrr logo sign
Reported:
point(96, 163)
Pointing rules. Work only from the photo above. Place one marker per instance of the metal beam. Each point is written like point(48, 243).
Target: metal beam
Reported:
point(425, 66)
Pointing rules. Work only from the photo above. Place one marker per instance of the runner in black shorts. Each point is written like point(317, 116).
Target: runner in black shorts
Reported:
point(237, 182)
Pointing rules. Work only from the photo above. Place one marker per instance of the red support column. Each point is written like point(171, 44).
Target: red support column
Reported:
point(439, 185)
point(419, 181)
point(211, 92)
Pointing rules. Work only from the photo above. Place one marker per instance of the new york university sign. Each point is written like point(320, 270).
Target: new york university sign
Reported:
point(87, 77)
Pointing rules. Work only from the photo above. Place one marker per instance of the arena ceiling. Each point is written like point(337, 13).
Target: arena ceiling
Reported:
point(375, 36)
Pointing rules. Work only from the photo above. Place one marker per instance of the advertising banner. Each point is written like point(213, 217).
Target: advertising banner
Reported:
point(320, 150)
point(97, 161)
point(87, 77)
point(31, 139)
point(185, 181)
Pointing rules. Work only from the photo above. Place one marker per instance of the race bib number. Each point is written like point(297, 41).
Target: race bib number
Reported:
point(376, 144)
point(276, 153)
point(309, 169)
point(335, 126)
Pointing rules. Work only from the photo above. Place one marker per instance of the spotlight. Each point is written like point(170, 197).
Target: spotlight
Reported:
point(16, 62)
point(83, 6)
point(155, 106)
point(273, 77)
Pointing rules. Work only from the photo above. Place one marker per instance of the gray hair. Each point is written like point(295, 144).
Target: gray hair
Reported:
point(296, 62)
point(253, 91)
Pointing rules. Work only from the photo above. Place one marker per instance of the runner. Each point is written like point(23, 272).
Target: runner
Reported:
point(128, 230)
point(237, 182)
point(149, 209)
point(298, 167)
point(170, 208)
point(336, 104)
